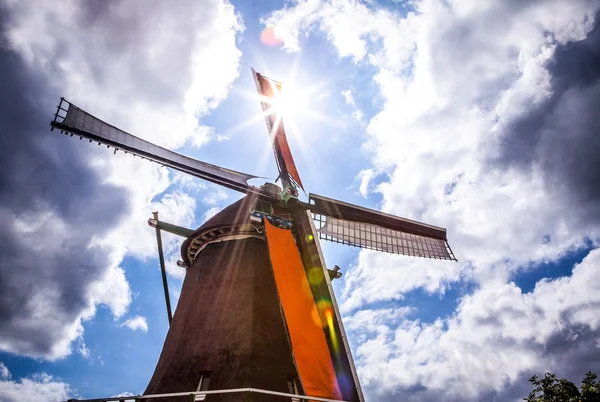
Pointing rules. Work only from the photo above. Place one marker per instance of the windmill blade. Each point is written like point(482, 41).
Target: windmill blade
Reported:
point(345, 223)
point(72, 119)
point(327, 307)
point(269, 91)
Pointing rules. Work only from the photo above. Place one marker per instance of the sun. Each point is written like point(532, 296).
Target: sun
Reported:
point(296, 103)
point(290, 101)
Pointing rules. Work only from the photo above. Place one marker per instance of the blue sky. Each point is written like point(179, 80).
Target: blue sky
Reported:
point(492, 100)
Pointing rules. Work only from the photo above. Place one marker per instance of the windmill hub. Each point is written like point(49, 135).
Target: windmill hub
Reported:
point(272, 189)
point(290, 192)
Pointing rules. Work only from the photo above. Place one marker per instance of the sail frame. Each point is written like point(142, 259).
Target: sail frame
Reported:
point(72, 119)
point(345, 223)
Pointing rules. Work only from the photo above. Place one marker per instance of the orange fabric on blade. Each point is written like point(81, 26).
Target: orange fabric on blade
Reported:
point(279, 139)
point(309, 345)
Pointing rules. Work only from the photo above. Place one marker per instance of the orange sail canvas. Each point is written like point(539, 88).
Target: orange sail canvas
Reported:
point(309, 345)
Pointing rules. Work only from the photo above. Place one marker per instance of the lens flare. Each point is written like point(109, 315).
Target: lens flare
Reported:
point(334, 341)
point(269, 38)
point(288, 101)
point(297, 103)
point(325, 308)
point(315, 276)
point(324, 305)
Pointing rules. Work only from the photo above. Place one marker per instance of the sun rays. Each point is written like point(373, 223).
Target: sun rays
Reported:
point(303, 102)
point(296, 104)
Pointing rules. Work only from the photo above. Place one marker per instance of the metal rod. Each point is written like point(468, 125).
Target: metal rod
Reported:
point(161, 259)
point(169, 227)
point(220, 391)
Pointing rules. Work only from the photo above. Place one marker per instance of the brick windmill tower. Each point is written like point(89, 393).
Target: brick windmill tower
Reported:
point(257, 317)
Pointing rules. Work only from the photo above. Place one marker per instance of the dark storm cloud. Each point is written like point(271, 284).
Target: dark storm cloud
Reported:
point(51, 204)
point(562, 136)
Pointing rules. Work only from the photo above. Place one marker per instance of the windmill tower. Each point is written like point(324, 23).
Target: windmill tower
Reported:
point(257, 313)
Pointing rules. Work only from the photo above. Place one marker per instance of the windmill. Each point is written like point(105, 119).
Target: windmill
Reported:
point(257, 312)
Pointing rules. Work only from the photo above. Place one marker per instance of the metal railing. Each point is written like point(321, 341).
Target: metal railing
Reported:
point(193, 395)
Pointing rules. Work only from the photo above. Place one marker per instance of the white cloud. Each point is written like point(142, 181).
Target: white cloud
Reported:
point(4, 373)
point(112, 290)
point(145, 72)
point(173, 269)
point(137, 238)
point(136, 323)
point(210, 212)
point(82, 348)
point(38, 387)
point(151, 61)
point(438, 124)
point(496, 334)
point(368, 319)
point(376, 277)
point(215, 197)
point(365, 177)
point(348, 97)
point(60, 327)
point(454, 77)
point(357, 114)
point(126, 394)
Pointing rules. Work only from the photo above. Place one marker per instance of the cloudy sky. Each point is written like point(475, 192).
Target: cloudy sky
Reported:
point(480, 117)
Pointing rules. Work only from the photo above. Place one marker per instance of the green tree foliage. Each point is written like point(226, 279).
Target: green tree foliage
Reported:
point(552, 389)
